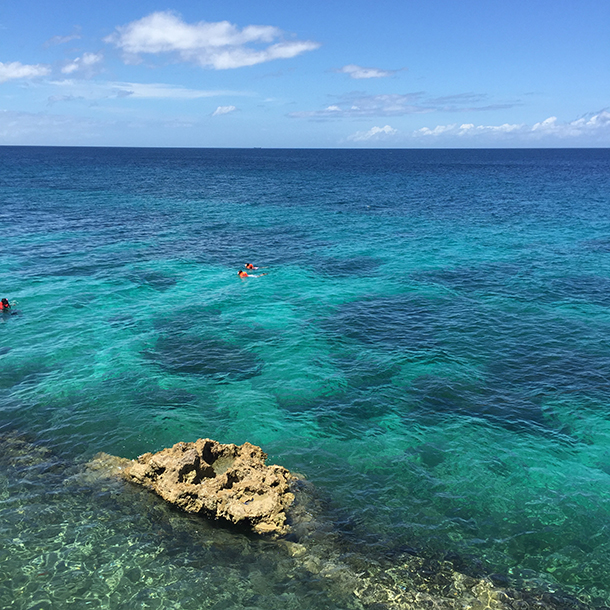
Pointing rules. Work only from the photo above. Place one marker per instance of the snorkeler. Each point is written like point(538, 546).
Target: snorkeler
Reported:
point(4, 305)
point(242, 273)
point(250, 266)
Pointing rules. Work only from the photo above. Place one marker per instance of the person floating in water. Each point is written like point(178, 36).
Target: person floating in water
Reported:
point(250, 267)
point(242, 273)
point(4, 305)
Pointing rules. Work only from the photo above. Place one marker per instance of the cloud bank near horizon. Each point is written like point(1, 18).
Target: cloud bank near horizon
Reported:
point(551, 129)
point(590, 125)
point(375, 133)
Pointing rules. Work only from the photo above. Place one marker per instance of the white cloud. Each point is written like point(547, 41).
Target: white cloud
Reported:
point(219, 45)
point(361, 105)
point(436, 131)
point(105, 90)
point(223, 110)
point(86, 62)
point(17, 70)
point(355, 71)
point(469, 129)
point(594, 123)
point(546, 125)
point(591, 126)
point(161, 91)
point(375, 133)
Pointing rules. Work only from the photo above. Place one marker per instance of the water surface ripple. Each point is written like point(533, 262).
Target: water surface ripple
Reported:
point(430, 347)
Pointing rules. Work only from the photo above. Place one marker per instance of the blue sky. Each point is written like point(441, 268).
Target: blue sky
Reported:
point(331, 73)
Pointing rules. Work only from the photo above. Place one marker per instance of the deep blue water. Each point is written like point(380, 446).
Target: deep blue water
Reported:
point(430, 347)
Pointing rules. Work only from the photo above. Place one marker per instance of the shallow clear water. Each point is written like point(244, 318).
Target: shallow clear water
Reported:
point(430, 347)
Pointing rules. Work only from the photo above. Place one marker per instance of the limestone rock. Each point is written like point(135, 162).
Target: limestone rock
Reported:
point(221, 481)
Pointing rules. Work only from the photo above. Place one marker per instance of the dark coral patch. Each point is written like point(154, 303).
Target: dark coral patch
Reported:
point(188, 354)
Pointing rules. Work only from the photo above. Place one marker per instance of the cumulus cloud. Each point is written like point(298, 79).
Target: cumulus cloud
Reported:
point(84, 63)
point(223, 110)
point(220, 45)
point(17, 70)
point(593, 123)
point(468, 129)
point(355, 71)
point(375, 133)
point(549, 124)
point(591, 126)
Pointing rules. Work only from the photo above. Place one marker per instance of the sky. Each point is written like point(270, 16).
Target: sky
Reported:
point(306, 74)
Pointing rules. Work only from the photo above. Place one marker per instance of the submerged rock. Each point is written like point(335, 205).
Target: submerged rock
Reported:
point(230, 482)
point(321, 562)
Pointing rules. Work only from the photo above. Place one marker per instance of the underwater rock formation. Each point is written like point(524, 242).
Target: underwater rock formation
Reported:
point(122, 544)
point(230, 482)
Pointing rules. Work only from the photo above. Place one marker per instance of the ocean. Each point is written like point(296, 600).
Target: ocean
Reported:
point(429, 348)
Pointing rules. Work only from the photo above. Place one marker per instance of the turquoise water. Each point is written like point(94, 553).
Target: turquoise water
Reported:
point(430, 348)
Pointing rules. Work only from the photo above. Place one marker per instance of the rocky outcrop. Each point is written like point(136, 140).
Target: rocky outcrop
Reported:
point(228, 482)
point(329, 566)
